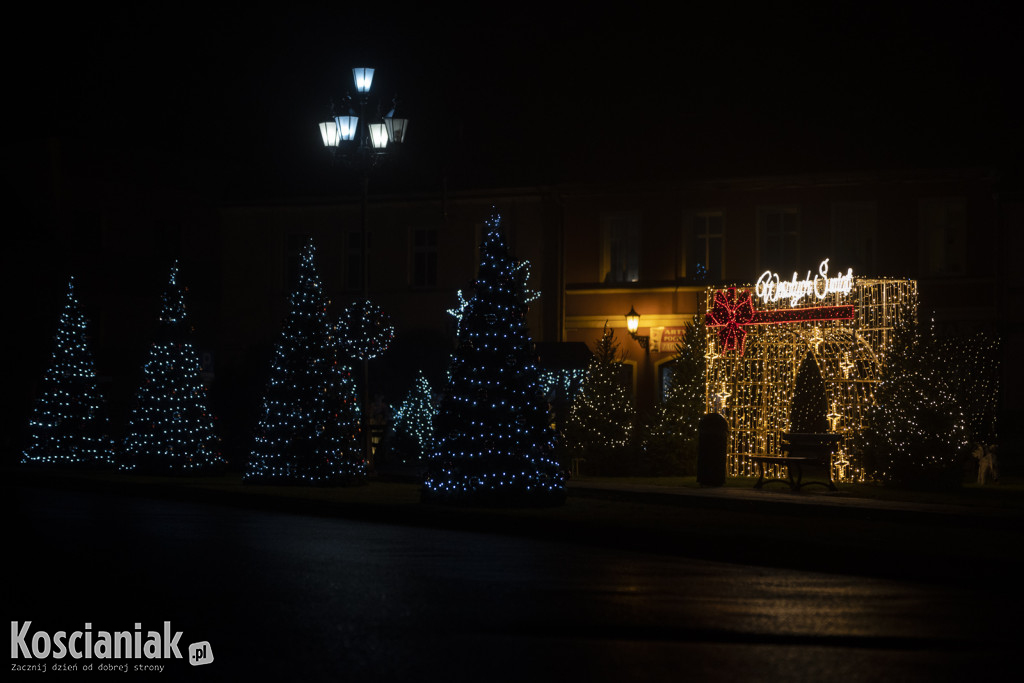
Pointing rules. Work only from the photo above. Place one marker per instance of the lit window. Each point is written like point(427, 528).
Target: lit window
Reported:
point(620, 259)
point(705, 259)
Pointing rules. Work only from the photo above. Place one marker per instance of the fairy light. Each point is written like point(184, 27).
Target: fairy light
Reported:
point(308, 430)
point(602, 416)
point(413, 424)
point(68, 424)
point(493, 443)
point(760, 348)
point(171, 428)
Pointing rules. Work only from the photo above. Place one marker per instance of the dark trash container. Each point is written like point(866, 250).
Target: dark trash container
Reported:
point(712, 437)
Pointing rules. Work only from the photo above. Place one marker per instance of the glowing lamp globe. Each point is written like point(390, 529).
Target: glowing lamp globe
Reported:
point(363, 78)
point(347, 126)
point(632, 320)
point(396, 129)
point(329, 132)
point(378, 135)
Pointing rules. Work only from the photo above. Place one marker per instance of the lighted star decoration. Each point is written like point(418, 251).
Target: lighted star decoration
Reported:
point(816, 338)
point(723, 393)
point(833, 418)
point(842, 463)
point(711, 355)
point(846, 365)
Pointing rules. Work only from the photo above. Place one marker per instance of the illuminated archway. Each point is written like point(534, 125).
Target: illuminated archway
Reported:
point(756, 344)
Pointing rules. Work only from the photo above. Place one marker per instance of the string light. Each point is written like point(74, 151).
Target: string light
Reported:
point(308, 431)
point(493, 443)
point(760, 351)
point(68, 425)
point(171, 428)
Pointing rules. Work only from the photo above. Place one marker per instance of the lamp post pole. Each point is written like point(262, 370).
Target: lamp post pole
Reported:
point(361, 145)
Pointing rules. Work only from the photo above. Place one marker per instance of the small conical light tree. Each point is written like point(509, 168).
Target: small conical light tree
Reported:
point(171, 428)
point(600, 424)
point(493, 440)
point(308, 432)
point(809, 411)
point(670, 444)
point(69, 425)
point(412, 432)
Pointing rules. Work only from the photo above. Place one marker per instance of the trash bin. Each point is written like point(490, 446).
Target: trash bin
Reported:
point(712, 439)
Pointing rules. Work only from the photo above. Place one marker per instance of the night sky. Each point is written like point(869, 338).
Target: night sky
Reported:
point(227, 100)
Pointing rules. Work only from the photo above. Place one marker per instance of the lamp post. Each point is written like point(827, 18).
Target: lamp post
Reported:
point(632, 325)
point(362, 142)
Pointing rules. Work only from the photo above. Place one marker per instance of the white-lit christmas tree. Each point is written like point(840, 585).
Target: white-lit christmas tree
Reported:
point(69, 425)
point(670, 441)
point(171, 428)
point(412, 430)
point(600, 424)
point(917, 434)
point(493, 441)
point(308, 432)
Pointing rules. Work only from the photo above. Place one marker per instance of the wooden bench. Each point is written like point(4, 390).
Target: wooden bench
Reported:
point(799, 450)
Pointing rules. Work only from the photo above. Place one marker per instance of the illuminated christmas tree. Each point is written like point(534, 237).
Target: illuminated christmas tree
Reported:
point(670, 441)
point(171, 428)
point(809, 411)
point(69, 425)
point(493, 440)
point(917, 434)
point(308, 432)
point(600, 424)
point(412, 432)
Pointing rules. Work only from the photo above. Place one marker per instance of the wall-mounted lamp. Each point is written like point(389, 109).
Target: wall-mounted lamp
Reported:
point(632, 325)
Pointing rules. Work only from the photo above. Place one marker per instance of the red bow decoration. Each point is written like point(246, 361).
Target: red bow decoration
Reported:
point(732, 312)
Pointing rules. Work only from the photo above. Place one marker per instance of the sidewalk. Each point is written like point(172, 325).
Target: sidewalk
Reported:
point(778, 497)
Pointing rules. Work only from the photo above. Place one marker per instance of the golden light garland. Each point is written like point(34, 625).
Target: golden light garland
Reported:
point(760, 371)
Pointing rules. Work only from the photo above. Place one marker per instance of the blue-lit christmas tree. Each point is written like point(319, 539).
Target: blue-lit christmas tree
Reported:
point(308, 432)
point(412, 431)
point(493, 441)
point(171, 428)
point(69, 424)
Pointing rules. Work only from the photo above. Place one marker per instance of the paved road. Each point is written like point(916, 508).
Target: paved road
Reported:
point(293, 597)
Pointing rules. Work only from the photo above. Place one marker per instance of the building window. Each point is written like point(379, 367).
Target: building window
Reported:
point(620, 255)
point(943, 236)
point(353, 260)
point(779, 238)
point(705, 260)
point(853, 237)
point(424, 257)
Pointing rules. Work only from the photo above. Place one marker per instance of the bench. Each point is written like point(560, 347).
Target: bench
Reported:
point(798, 450)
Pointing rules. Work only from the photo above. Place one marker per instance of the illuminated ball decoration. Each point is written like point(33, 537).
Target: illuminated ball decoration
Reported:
point(68, 425)
point(171, 428)
point(308, 429)
point(493, 442)
point(364, 331)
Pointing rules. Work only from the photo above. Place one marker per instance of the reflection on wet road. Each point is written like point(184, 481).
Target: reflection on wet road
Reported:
point(292, 597)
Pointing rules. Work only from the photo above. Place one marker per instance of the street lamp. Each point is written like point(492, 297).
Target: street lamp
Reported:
point(361, 142)
point(632, 325)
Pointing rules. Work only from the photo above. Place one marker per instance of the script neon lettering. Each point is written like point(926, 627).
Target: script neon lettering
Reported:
point(771, 288)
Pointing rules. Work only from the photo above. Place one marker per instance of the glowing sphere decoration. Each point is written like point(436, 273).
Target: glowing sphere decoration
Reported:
point(364, 331)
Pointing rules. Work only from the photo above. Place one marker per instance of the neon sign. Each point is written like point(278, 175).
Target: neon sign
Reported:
point(771, 288)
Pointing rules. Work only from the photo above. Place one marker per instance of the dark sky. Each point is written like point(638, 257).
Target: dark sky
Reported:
point(227, 99)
